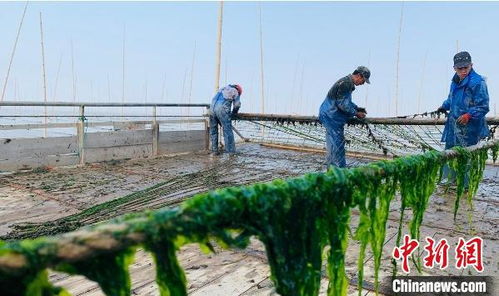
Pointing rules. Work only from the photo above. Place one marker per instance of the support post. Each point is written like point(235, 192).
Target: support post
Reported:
point(207, 129)
point(155, 133)
point(80, 132)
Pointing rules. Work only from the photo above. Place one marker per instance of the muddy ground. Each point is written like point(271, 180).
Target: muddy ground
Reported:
point(62, 193)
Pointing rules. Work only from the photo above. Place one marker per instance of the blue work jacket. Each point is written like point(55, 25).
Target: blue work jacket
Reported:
point(467, 96)
point(224, 98)
point(338, 107)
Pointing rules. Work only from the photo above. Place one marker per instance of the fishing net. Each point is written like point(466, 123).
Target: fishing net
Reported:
point(390, 137)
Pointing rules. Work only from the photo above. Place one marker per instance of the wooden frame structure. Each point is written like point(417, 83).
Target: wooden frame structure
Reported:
point(128, 139)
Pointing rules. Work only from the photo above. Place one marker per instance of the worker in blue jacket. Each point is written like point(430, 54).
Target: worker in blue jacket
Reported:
point(224, 107)
point(468, 102)
point(337, 109)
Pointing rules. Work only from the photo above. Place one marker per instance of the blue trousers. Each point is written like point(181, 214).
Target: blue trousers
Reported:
point(221, 116)
point(335, 145)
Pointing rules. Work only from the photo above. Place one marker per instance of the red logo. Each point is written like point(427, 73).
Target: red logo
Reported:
point(404, 251)
point(438, 254)
point(469, 253)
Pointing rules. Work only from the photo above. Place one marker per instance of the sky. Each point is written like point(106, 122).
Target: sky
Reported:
point(170, 52)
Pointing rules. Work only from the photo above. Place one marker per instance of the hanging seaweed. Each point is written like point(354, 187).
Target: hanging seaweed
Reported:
point(110, 271)
point(374, 210)
point(169, 275)
point(295, 219)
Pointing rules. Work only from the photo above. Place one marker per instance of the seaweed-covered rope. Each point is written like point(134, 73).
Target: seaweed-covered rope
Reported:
point(294, 218)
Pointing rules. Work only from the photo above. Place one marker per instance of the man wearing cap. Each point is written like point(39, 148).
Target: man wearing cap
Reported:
point(335, 111)
point(468, 102)
point(221, 114)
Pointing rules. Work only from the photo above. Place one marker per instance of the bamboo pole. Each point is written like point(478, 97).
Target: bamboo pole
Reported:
point(54, 96)
point(155, 133)
point(123, 72)
point(163, 88)
point(73, 74)
point(43, 75)
point(13, 51)
point(398, 60)
point(80, 131)
point(192, 77)
point(218, 55)
point(86, 243)
point(262, 94)
point(108, 89)
point(371, 156)
point(370, 120)
point(240, 135)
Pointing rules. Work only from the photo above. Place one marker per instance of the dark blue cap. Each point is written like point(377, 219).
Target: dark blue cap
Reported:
point(364, 71)
point(462, 59)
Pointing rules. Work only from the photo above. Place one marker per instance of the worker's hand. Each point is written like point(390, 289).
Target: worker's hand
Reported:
point(360, 115)
point(233, 115)
point(441, 110)
point(463, 119)
point(361, 109)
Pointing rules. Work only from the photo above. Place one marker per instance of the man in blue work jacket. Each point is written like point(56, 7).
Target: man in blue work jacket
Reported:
point(221, 112)
point(468, 102)
point(337, 109)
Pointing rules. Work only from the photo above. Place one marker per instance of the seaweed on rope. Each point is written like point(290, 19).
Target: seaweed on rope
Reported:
point(295, 219)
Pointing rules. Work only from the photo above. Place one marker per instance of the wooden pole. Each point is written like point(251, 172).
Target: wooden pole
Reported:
point(262, 94)
point(13, 51)
point(80, 131)
point(73, 74)
point(155, 133)
point(192, 78)
point(219, 46)
point(80, 245)
point(44, 76)
point(123, 73)
point(370, 120)
point(54, 96)
point(163, 89)
point(371, 156)
point(398, 60)
point(108, 89)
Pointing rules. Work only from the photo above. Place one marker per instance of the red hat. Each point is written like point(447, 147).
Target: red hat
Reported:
point(239, 89)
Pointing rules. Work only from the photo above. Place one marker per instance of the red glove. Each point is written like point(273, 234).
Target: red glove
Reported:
point(463, 119)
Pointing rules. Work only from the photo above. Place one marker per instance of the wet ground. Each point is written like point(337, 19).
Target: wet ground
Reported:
point(62, 193)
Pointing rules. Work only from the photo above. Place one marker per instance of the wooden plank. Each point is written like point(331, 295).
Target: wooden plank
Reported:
point(118, 139)
point(30, 126)
point(236, 279)
point(25, 163)
point(128, 125)
point(181, 141)
point(18, 149)
point(123, 152)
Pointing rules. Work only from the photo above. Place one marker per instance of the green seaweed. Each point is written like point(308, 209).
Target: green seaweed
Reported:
point(31, 283)
point(296, 219)
point(110, 271)
point(169, 275)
